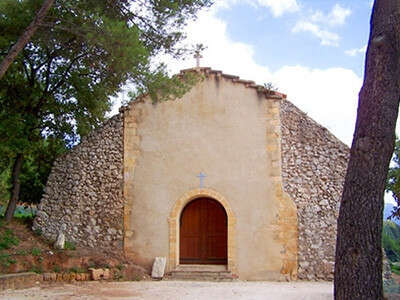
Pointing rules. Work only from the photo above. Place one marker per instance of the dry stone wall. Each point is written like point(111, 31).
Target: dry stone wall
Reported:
point(83, 195)
point(314, 164)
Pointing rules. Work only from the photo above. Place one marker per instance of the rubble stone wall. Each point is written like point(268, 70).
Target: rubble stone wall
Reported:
point(314, 165)
point(83, 195)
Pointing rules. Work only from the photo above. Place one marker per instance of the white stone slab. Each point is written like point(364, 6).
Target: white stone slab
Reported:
point(158, 267)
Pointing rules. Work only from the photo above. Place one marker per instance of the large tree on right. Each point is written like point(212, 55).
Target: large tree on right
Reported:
point(358, 265)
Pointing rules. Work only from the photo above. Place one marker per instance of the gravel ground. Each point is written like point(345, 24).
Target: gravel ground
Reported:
point(177, 290)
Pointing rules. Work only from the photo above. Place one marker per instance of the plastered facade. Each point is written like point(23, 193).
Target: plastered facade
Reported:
point(204, 131)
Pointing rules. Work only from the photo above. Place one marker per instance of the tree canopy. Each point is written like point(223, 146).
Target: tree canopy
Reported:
point(60, 85)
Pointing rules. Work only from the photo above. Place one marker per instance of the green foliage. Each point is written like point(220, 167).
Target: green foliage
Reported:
point(59, 87)
point(69, 245)
point(6, 260)
point(36, 269)
point(395, 268)
point(77, 270)
point(8, 239)
point(57, 269)
point(21, 252)
point(38, 231)
point(36, 169)
point(391, 240)
point(36, 251)
point(393, 178)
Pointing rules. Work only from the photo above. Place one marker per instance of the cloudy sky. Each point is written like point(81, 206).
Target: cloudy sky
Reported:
point(311, 50)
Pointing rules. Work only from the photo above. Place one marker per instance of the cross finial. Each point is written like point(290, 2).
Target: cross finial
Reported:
point(201, 176)
point(197, 54)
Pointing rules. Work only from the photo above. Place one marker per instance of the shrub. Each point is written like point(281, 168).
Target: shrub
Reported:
point(36, 269)
point(57, 269)
point(6, 260)
point(69, 245)
point(8, 239)
point(36, 251)
point(21, 252)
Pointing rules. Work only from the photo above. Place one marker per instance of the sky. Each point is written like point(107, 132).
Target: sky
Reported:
point(311, 50)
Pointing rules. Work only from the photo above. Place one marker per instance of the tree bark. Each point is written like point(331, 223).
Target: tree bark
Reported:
point(358, 267)
point(15, 187)
point(25, 37)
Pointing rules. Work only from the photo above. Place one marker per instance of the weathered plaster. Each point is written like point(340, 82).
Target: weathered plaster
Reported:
point(205, 131)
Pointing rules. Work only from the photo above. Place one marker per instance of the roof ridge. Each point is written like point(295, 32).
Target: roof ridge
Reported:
point(236, 79)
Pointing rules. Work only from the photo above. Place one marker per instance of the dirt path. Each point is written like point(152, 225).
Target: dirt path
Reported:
point(177, 290)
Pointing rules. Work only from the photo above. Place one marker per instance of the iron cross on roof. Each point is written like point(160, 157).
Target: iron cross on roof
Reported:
point(201, 176)
point(197, 56)
point(197, 53)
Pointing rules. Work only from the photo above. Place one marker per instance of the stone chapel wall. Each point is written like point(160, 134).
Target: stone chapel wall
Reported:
point(84, 191)
point(314, 165)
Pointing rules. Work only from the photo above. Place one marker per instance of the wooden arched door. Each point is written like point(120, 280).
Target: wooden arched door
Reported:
point(203, 233)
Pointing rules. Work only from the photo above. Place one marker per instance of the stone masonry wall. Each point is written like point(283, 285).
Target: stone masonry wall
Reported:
point(314, 165)
point(84, 191)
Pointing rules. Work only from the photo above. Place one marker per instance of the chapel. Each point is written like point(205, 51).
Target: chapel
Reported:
point(231, 175)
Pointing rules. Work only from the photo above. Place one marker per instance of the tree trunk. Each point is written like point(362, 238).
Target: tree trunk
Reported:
point(358, 268)
point(25, 37)
point(15, 187)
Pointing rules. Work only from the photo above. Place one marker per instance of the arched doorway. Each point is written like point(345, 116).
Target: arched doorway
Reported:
point(203, 232)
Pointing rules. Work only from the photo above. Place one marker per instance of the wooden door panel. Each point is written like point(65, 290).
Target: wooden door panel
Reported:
point(216, 249)
point(203, 233)
point(192, 249)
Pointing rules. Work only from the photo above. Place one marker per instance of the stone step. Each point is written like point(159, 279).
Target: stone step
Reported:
point(200, 275)
point(193, 267)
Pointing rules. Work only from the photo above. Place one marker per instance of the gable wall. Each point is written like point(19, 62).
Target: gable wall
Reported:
point(314, 166)
point(84, 191)
point(218, 128)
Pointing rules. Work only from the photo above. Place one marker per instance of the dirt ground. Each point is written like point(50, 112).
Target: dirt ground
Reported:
point(177, 290)
point(33, 253)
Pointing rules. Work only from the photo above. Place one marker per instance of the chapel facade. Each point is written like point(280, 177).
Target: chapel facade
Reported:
point(230, 174)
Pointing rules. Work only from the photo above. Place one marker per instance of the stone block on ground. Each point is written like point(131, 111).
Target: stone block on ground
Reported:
point(99, 274)
point(60, 242)
point(158, 267)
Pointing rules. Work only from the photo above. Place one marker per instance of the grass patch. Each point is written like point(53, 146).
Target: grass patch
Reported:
point(8, 239)
point(77, 270)
point(69, 245)
point(36, 252)
point(57, 269)
point(21, 252)
point(6, 260)
point(36, 269)
point(395, 268)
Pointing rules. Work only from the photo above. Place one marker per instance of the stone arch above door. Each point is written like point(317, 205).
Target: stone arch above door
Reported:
point(173, 221)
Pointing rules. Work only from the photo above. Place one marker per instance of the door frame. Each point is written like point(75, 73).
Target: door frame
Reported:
point(174, 219)
point(203, 235)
